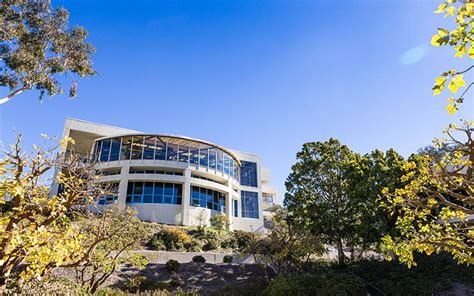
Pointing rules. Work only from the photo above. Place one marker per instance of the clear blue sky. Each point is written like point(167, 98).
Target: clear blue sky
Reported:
point(260, 76)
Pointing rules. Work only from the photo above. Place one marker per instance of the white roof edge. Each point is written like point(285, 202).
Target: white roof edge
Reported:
point(101, 124)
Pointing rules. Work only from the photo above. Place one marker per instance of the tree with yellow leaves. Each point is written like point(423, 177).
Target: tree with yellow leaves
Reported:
point(436, 208)
point(35, 232)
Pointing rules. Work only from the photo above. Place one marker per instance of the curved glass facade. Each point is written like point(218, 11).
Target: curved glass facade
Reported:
point(166, 148)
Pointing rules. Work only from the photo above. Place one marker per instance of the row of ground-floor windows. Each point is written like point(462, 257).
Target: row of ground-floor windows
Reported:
point(171, 193)
point(154, 192)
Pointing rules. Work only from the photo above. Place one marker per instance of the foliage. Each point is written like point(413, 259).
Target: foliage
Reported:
point(435, 205)
point(317, 194)
point(170, 239)
point(317, 284)
point(172, 265)
point(34, 229)
point(109, 238)
point(433, 274)
point(36, 47)
point(228, 259)
point(199, 259)
point(220, 222)
point(244, 239)
point(366, 177)
point(159, 292)
point(134, 283)
point(461, 39)
point(286, 247)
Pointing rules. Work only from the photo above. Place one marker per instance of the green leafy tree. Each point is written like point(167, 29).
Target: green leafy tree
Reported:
point(366, 177)
point(36, 47)
point(317, 192)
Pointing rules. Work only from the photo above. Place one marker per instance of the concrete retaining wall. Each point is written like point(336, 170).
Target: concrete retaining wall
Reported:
point(161, 257)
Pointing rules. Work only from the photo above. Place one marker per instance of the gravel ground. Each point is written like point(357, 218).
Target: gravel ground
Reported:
point(206, 277)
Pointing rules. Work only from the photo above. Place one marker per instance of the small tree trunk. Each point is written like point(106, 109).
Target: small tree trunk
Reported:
point(340, 251)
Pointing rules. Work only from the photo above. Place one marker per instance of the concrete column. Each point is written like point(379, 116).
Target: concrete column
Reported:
point(186, 199)
point(229, 203)
point(122, 196)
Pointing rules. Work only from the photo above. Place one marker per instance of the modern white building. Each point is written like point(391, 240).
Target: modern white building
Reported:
point(174, 179)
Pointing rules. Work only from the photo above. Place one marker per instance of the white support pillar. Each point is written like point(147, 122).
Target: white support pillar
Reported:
point(122, 196)
point(229, 203)
point(186, 199)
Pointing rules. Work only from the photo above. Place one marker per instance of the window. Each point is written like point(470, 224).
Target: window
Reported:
point(183, 153)
point(226, 164)
point(203, 157)
point(97, 148)
point(125, 151)
point(249, 204)
point(220, 160)
point(213, 158)
point(172, 152)
point(248, 174)
point(207, 198)
point(154, 192)
point(236, 208)
point(194, 155)
point(160, 152)
point(149, 147)
point(115, 149)
point(137, 148)
point(231, 166)
point(104, 153)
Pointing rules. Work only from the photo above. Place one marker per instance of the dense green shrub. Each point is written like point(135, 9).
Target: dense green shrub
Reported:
point(432, 274)
point(199, 259)
point(211, 245)
point(170, 239)
point(172, 265)
point(220, 222)
point(229, 242)
point(331, 283)
point(228, 259)
point(244, 239)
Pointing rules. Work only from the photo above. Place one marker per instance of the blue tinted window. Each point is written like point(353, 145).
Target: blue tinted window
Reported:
point(104, 153)
point(236, 208)
point(220, 160)
point(248, 174)
point(207, 198)
point(115, 149)
point(203, 157)
point(194, 155)
point(249, 204)
point(213, 158)
point(172, 152)
point(149, 148)
point(226, 164)
point(183, 153)
point(160, 152)
point(231, 166)
point(154, 192)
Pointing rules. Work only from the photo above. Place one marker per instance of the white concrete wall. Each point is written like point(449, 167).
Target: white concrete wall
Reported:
point(161, 213)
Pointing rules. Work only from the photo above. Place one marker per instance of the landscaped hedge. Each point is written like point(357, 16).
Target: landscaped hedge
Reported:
point(196, 240)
